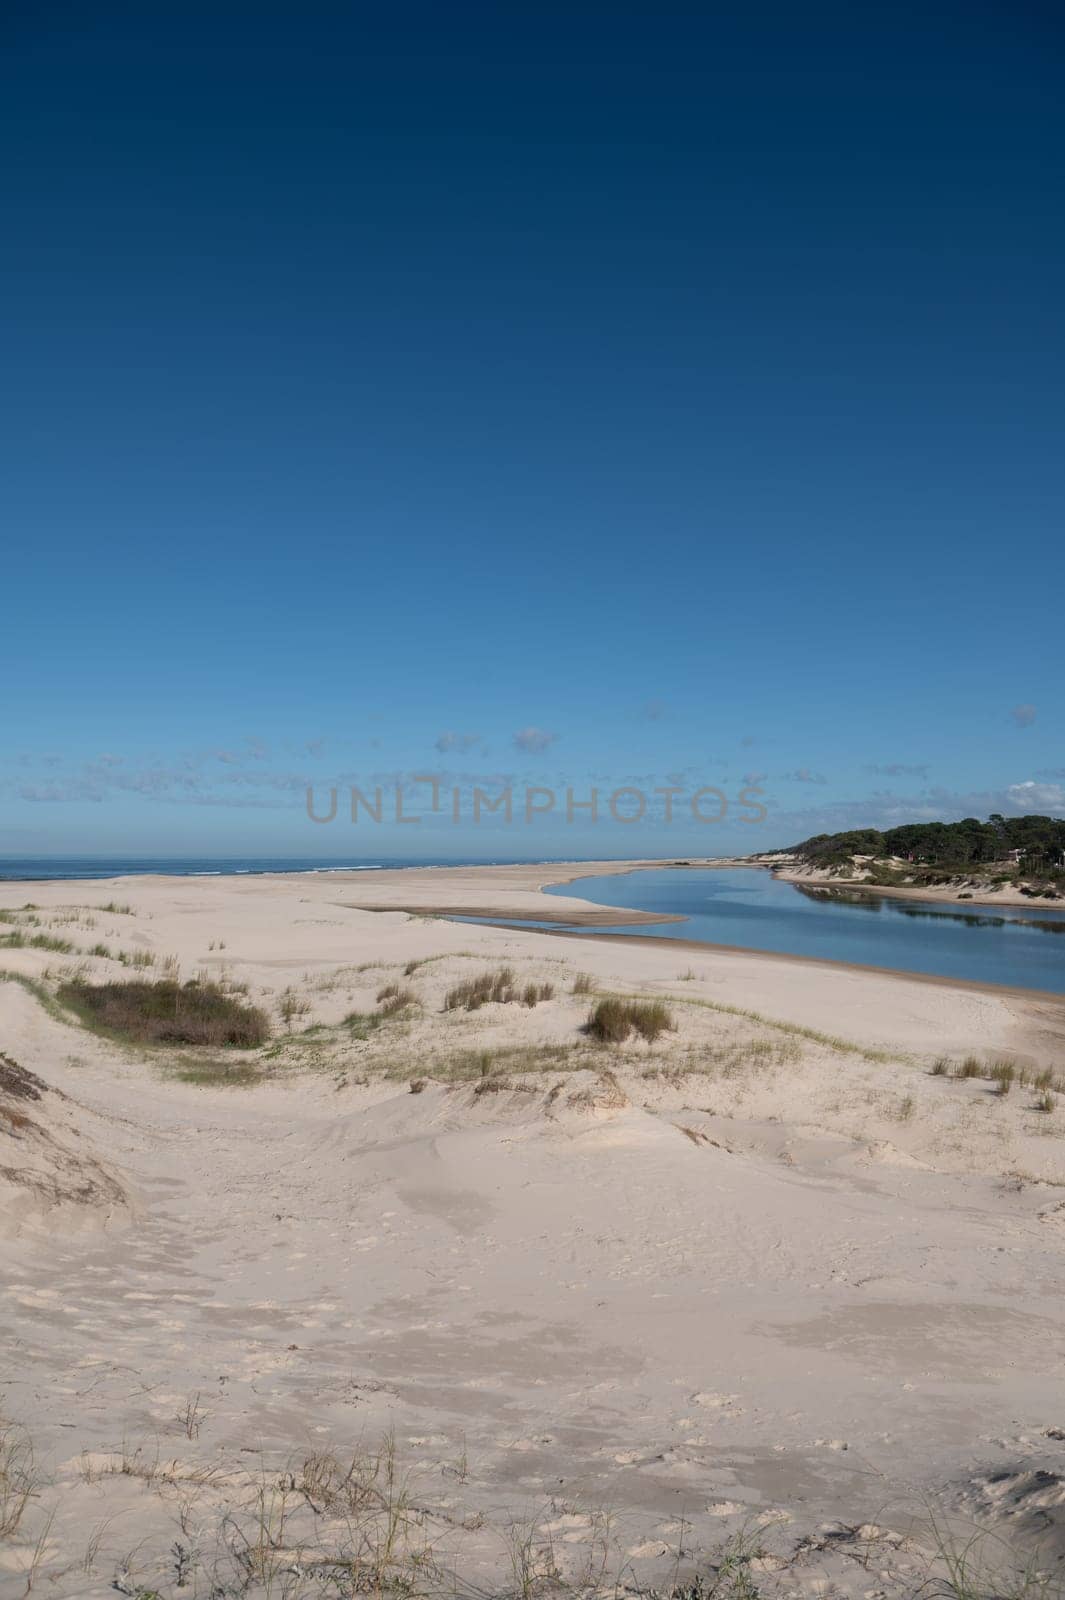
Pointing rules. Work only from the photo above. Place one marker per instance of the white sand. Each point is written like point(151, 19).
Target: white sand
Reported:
point(616, 1309)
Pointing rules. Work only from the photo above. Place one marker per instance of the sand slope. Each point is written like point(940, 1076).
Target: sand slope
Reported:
point(579, 1316)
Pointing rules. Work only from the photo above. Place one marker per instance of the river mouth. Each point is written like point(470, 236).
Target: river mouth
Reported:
point(1014, 946)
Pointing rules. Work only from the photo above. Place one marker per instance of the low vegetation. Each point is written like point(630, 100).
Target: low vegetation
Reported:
point(167, 1012)
point(394, 998)
point(496, 988)
point(18, 1481)
point(613, 1020)
point(290, 1005)
point(1003, 1075)
point(35, 941)
point(219, 1074)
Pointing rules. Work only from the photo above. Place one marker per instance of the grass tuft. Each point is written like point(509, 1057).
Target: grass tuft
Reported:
point(18, 1481)
point(488, 988)
point(36, 941)
point(290, 1005)
point(613, 1020)
point(394, 998)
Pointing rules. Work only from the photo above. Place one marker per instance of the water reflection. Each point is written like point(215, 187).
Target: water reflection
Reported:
point(750, 909)
point(868, 900)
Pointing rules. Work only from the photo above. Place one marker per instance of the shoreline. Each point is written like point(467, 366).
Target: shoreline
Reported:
point(583, 920)
point(779, 864)
point(499, 895)
point(1011, 899)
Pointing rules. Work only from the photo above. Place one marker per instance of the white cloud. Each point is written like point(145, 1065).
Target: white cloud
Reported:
point(804, 775)
point(534, 740)
point(457, 741)
point(1033, 796)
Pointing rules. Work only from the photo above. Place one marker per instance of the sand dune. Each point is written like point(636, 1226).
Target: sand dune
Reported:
point(463, 1299)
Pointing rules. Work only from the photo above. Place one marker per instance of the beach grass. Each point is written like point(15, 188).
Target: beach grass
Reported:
point(166, 1012)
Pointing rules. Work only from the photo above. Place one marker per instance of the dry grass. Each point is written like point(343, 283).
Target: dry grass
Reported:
point(1001, 1074)
point(18, 1481)
point(291, 1005)
point(35, 941)
point(533, 993)
point(219, 1074)
point(473, 1066)
point(488, 988)
point(166, 1012)
point(394, 998)
point(613, 1020)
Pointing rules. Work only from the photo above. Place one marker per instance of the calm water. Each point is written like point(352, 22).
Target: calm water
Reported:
point(1014, 945)
point(37, 868)
point(17, 869)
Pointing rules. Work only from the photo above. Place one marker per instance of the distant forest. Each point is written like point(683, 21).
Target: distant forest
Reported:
point(1040, 842)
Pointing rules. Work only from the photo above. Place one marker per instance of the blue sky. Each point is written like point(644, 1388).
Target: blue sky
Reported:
point(555, 395)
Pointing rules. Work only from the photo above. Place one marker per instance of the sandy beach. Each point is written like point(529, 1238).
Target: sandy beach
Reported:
point(435, 1300)
point(967, 890)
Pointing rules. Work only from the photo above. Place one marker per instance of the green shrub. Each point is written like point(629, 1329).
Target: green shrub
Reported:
point(167, 1012)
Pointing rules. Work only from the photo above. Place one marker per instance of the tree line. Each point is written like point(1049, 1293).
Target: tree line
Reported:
point(968, 843)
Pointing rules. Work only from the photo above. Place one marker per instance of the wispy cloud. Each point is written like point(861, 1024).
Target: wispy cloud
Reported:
point(804, 775)
point(898, 769)
point(534, 740)
point(887, 810)
point(191, 780)
point(462, 742)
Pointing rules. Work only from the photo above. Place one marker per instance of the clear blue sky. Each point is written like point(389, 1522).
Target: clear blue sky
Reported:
point(566, 393)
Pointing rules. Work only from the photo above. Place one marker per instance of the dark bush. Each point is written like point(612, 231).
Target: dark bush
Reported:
point(167, 1012)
